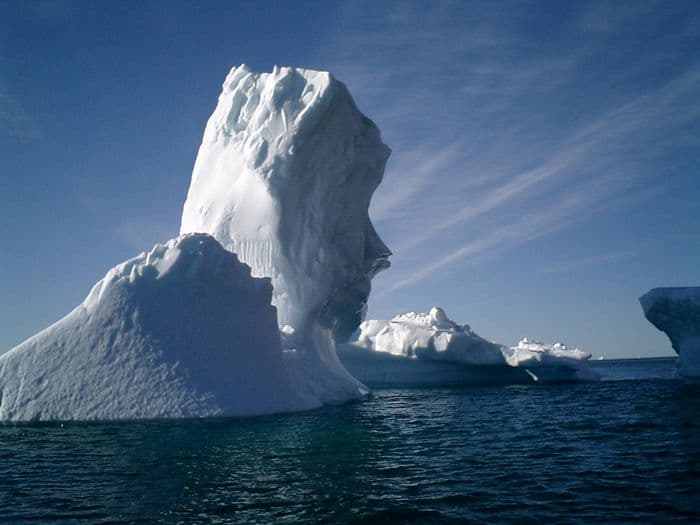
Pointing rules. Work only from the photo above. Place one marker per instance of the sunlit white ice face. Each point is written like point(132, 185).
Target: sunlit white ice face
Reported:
point(284, 178)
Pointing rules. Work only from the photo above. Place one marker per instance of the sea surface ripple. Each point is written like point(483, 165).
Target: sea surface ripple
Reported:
point(622, 450)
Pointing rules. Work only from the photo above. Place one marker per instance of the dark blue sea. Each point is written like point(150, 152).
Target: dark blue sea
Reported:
point(625, 449)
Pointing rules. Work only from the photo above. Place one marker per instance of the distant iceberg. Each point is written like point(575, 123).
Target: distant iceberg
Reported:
point(676, 312)
point(535, 353)
point(429, 349)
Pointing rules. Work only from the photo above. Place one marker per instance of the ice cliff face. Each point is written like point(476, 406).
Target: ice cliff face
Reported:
point(180, 331)
point(676, 312)
point(284, 178)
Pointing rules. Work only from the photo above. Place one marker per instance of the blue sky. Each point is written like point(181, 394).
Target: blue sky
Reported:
point(545, 168)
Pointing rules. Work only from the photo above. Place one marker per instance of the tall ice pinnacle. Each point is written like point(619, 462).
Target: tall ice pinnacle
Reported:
point(284, 178)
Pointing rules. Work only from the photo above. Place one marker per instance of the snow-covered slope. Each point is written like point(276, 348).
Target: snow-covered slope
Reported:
point(676, 312)
point(180, 331)
point(430, 349)
point(284, 178)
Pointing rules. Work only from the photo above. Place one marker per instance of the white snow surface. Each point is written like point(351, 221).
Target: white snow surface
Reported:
point(534, 352)
point(676, 312)
point(180, 331)
point(284, 178)
point(433, 336)
point(428, 336)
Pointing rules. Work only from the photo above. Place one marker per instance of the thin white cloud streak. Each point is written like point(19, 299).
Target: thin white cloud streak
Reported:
point(587, 201)
point(142, 233)
point(474, 84)
point(527, 228)
point(674, 104)
point(14, 120)
point(588, 261)
point(495, 197)
point(417, 169)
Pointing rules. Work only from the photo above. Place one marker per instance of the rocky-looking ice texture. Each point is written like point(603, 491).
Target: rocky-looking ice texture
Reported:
point(430, 349)
point(180, 331)
point(676, 312)
point(284, 178)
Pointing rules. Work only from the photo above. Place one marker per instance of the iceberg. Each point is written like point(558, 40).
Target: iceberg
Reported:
point(429, 335)
point(180, 331)
point(242, 313)
point(429, 349)
point(533, 352)
point(284, 178)
point(676, 312)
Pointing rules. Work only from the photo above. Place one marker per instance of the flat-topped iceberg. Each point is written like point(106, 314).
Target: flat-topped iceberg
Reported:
point(180, 331)
point(428, 349)
point(676, 312)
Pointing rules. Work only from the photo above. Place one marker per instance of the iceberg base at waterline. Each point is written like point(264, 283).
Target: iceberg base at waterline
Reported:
point(380, 370)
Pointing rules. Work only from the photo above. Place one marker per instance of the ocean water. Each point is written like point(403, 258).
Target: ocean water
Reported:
point(626, 449)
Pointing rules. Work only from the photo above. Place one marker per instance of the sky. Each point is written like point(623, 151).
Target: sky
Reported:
point(545, 170)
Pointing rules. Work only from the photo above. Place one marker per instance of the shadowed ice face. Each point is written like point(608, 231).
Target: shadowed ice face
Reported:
point(333, 246)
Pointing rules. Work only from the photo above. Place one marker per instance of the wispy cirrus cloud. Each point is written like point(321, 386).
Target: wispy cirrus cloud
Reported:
point(588, 261)
point(536, 224)
point(417, 168)
point(505, 129)
point(142, 233)
point(14, 119)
